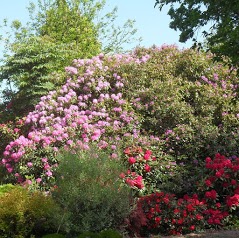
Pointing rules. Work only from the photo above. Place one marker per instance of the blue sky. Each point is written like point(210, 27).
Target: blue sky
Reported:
point(152, 25)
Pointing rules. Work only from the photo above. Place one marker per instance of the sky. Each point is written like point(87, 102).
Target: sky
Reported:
point(152, 25)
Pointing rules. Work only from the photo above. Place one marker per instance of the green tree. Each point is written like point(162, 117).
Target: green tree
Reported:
point(188, 16)
point(59, 31)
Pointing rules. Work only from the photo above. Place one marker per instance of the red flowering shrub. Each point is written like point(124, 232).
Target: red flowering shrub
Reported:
point(171, 216)
point(215, 205)
point(222, 178)
point(146, 172)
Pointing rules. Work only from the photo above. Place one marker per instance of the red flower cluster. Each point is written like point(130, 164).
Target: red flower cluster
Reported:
point(168, 215)
point(139, 167)
point(223, 177)
point(134, 180)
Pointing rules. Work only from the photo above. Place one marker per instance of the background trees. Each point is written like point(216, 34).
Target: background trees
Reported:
point(58, 32)
point(222, 38)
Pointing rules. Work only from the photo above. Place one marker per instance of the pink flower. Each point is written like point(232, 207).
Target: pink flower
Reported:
point(29, 164)
point(138, 182)
point(38, 180)
point(49, 173)
point(44, 160)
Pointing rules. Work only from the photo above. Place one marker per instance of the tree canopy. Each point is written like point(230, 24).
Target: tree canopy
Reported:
point(59, 32)
point(188, 16)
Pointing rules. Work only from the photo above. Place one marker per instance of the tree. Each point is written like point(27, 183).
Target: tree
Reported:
point(222, 38)
point(59, 31)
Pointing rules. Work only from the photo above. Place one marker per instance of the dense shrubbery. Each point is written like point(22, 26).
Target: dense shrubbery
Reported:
point(23, 213)
point(90, 192)
point(161, 111)
point(215, 203)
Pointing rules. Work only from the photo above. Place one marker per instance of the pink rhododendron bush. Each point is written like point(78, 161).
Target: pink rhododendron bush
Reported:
point(162, 111)
point(89, 107)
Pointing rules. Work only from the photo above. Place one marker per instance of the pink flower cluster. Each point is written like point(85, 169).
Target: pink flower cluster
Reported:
point(86, 109)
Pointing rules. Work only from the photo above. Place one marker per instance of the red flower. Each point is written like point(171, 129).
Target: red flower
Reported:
point(148, 152)
point(176, 211)
point(138, 182)
point(219, 173)
point(192, 228)
point(180, 221)
point(147, 168)
point(208, 183)
point(233, 201)
point(208, 160)
point(211, 194)
point(127, 151)
point(190, 207)
point(199, 217)
point(146, 156)
point(233, 182)
point(157, 220)
point(122, 175)
point(131, 160)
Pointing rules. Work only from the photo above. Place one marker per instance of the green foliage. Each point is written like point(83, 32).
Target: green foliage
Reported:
point(23, 213)
point(89, 191)
point(55, 235)
point(102, 234)
point(37, 67)
point(187, 93)
point(5, 188)
point(36, 55)
point(89, 234)
point(189, 15)
point(110, 234)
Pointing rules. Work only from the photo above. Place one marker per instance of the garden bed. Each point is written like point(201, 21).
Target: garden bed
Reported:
point(209, 234)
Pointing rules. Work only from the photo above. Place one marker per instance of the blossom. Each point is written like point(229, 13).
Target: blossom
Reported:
point(131, 160)
point(147, 168)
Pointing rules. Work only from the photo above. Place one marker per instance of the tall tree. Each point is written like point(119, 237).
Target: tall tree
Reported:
point(36, 54)
point(222, 38)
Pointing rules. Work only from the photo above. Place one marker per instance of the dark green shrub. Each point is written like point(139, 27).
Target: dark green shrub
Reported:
point(90, 191)
point(89, 234)
point(110, 234)
point(103, 234)
point(23, 213)
point(55, 235)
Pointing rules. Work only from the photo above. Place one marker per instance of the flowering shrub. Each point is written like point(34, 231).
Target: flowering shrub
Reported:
point(168, 215)
point(179, 96)
point(146, 172)
point(89, 107)
point(221, 186)
point(215, 205)
point(8, 132)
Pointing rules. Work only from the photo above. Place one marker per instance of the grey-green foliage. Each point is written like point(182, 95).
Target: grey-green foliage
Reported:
point(90, 191)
